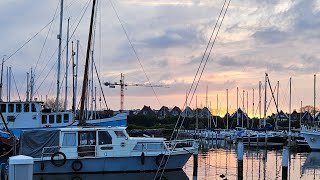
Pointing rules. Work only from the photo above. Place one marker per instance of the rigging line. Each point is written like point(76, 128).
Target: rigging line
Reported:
point(45, 41)
point(14, 80)
point(104, 98)
point(205, 52)
point(210, 50)
point(15, 52)
point(85, 10)
point(24, 44)
point(198, 79)
point(135, 52)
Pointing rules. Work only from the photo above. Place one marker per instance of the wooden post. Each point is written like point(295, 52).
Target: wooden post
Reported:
point(195, 164)
point(240, 160)
point(285, 163)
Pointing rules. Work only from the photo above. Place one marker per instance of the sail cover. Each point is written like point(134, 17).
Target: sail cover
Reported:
point(32, 142)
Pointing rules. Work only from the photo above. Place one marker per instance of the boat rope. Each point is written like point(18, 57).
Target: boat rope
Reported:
point(45, 41)
point(198, 80)
point(134, 51)
point(83, 11)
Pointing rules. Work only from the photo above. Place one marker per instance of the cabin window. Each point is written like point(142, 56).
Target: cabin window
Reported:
point(69, 139)
point(87, 138)
point(59, 118)
point(66, 118)
point(44, 119)
point(104, 138)
point(149, 146)
point(3, 108)
point(18, 107)
point(26, 108)
point(120, 134)
point(51, 119)
point(33, 108)
point(10, 108)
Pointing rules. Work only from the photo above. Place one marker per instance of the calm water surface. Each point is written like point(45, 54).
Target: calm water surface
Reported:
point(220, 162)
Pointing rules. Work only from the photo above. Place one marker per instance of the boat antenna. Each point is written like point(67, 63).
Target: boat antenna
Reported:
point(85, 78)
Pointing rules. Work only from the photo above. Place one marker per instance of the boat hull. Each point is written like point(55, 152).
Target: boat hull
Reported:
point(313, 139)
point(111, 164)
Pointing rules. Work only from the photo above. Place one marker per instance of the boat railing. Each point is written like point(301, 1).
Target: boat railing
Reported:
point(180, 145)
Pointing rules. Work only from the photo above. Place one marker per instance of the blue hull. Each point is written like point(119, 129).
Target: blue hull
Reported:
point(111, 164)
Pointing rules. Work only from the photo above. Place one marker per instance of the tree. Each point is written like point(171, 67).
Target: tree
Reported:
point(309, 108)
point(51, 104)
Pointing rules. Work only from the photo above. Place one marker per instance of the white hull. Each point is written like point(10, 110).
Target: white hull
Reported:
point(312, 138)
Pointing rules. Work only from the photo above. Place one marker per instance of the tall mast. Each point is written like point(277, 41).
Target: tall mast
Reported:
point(85, 78)
point(217, 110)
point(314, 97)
point(227, 110)
point(122, 93)
point(59, 56)
point(27, 96)
point(242, 108)
point(31, 85)
point(197, 123)
point(260, 104)
point(247, 109)
point(252, 106)
point(237, 106)
point(1, 79)
point(265, 101)
point(76, 81)
point(9, 85)
point(67, 68)
point(290, 110)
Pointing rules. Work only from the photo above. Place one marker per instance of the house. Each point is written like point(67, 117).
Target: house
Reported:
point(163, 112)
point(175, 111)
point(307, 117)
point(295, 116)
point(205, 113)
point(240, 114)
point(146, 111)
point(187, 112)
point(282, 116)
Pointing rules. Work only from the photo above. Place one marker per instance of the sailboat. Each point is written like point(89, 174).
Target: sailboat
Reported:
point(90, 149)
point(32, 114)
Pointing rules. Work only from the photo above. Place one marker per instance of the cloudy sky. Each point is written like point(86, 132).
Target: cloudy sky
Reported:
point(170, 36)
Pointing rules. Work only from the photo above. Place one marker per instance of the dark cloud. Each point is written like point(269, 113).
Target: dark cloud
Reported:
point(270, 36)
point(172, 38)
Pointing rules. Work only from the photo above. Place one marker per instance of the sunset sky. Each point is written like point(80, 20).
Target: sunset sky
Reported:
point(280, 37)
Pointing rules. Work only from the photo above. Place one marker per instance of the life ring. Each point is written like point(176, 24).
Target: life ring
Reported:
point(142, 158)
point(161, 160)
point(59, 162)
point(77, 165)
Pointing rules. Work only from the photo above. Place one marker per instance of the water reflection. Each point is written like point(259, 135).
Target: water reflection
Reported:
point(219, 161)
point(170, 175)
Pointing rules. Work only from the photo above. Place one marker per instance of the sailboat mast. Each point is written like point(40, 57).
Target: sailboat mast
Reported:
point(227, 110)
point(76, 81)
point(290, 111)
point(85, 78)
point(314, 97)
point(67, 67)
point(1, 79)
point(59, 56)
point(259, 104)
point(237, 106)
point(265, 101)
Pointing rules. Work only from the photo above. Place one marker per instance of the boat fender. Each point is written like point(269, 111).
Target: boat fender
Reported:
point(161, 160)
point(77, 165)
point(142, 158)
point(58, 162)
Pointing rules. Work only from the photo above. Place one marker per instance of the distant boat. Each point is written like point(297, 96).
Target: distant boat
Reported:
point(312, 136)
point(19, 116)
point(101, 149)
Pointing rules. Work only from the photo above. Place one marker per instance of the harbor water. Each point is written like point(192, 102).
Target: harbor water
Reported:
point(219, 161)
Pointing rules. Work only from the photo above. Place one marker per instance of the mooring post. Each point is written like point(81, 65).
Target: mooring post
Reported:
point(285, 163)
point(195, 164)
point(240, 160)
